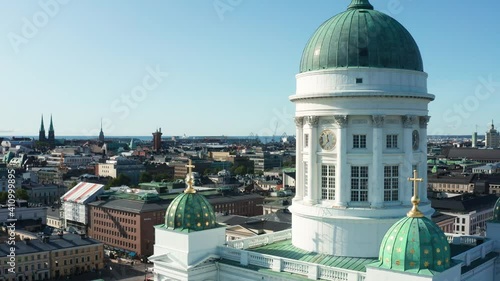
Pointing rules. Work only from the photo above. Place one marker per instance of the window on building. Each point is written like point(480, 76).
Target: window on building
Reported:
point(328, 182)
point(306, 191)
point(391, 183)
point(359, 80)
point(391, 141)
point(306, 140)
point(359, 183)
point(359, 141)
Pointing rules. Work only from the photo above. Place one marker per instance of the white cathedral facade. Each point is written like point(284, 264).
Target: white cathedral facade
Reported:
point(361, 128)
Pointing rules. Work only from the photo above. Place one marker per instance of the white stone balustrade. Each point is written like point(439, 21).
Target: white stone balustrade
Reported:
point(261, 240)
point(310, 270)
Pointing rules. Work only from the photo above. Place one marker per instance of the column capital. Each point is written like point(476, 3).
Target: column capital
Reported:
point(340, 120)
point(313, 121)
point(378, 121)
point(423, 121)
point(299, 121)
point(409, 121)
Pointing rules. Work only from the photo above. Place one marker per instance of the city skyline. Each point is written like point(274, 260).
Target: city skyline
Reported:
point(215, 67)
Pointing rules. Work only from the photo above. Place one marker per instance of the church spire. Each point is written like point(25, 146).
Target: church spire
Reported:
point(360, 4)
point(41, 133)
point(51, 126)
point(42, 127)
point(101, 134)
point(51, 138)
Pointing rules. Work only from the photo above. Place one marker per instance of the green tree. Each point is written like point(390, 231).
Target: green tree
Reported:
point(21, 194)
point(163, 176)
point(120, 180)
point(240, 170)
point(3, 196)
point(145, 177)
point(289, 164)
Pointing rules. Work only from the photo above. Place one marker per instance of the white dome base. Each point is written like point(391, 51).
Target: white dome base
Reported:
point(349, 232)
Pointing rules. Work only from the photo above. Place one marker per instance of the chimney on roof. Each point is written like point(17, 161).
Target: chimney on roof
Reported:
point(45, 239)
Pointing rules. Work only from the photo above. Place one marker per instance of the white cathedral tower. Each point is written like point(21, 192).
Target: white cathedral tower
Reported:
point(361, 116)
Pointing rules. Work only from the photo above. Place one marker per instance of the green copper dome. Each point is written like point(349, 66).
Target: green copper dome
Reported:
point(496, 212)
point(190, 212)
point(415, 244)
point(361, 37)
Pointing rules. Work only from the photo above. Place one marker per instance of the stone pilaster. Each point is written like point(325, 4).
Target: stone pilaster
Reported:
point(376, 184)
point(341, 173)
point(299, 183)
point(406, 186)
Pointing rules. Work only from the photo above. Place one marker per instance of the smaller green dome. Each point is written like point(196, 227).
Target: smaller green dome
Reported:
point(496, 212)
point(415, 244)
point(190, 212)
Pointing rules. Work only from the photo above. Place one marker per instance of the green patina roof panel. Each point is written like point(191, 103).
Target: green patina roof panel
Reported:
point(415, 245)
point(285, 249)
point(361, 37)
point(190, 212)
point(496, 212)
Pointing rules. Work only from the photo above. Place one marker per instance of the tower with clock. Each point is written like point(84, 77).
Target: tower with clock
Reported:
point(361, 124)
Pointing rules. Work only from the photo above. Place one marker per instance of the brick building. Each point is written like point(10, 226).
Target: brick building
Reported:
point(126, 224)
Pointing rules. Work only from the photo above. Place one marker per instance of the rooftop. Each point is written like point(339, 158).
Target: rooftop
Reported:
point(464, 203)
point(474, 154)
point(133, 206)
point(285, 249)
point(55, 243)
point(131, 203)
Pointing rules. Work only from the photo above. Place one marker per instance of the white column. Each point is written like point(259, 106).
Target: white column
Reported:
point(406, 186)
point(376, 184)
point(423, 121)
point(341, 180)
point(313, 194)
point(299, 147)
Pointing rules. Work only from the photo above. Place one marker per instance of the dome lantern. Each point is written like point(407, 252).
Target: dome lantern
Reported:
point(360, 4)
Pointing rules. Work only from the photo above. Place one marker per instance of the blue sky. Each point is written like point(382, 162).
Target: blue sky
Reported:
point(216, 67)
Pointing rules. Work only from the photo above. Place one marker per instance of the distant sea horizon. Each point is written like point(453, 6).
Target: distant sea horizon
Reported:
point(164, 137)
point(263, 139)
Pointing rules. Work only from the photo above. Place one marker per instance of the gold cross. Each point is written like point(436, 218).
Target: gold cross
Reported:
point(415, 200)
point(190, 166)
point(189, 188)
